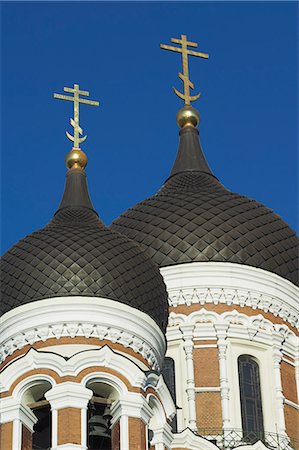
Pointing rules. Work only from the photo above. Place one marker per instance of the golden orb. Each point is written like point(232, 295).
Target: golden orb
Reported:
point(187, 116)
point(76, 159)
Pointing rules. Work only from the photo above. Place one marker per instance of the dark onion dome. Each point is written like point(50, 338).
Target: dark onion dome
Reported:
point(193, 217)
point(76, 254)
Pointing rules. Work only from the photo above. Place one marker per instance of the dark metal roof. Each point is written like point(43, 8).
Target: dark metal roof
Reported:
point(195, 218)
point(75, 254)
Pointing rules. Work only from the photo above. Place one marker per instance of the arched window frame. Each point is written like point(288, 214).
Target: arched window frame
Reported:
point(263, 353)
point(250, 398)
point(171, 384)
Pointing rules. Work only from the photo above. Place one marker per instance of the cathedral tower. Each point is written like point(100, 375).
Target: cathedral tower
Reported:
point(231, 270)
point(84, 312)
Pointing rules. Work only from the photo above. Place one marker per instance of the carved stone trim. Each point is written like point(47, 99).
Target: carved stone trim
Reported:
point(89, 318)
point(232, 284)
point(255, 328)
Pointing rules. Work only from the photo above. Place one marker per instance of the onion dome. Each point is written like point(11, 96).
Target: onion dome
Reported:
point(193, 217)
point(77, 255)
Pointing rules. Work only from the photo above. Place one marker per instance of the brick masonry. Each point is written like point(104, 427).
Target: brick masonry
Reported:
point(26, 439)
point(6, 436)
point(292, 421)
point(137, 439)
point(115, 437)
point(288, 380)
point(206, 367)
point(69, 426)
point(222, 307)
point(208, 410)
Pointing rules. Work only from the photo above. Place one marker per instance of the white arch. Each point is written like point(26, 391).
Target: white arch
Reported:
point(103, 356)
point(159, 418)
point(106, 378)
point(29, 382)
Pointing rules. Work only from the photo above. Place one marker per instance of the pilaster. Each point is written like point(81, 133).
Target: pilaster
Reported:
point(69, 401)
point(187, 330)
point(221, 332)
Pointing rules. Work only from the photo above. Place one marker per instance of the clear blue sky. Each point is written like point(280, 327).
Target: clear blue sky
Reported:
point(249, 127)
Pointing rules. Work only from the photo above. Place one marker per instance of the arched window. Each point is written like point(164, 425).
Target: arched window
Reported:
point(251, 401)
point(34, 398)
point(99, 416)
point(169, 378)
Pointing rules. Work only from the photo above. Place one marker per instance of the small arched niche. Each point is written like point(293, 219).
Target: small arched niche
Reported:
point(34, 398)
point(157, 421)
point(99, 415)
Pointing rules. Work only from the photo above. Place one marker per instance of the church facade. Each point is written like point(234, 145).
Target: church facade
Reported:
point(176, 328)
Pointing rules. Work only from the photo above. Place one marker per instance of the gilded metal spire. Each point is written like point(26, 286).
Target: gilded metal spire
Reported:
point(75, 121)
point(185, 75)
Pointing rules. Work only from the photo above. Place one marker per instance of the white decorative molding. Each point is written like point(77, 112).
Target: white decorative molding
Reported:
point(294, 405)
point(232, 284)
point(221, 332)
point(187, 334)
point(102, 357)
point(68, 395)
point(208, 389)
point(88, 317)
point(69, 447)
point(257, 446)
point(187, 439)
point(253, 328)
point(131, 405)
point(277, 357)
point(12, 410)
point(162, 437)
point(158, 384)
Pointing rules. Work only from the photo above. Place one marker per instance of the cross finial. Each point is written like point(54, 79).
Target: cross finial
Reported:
point(75, 121)
point(185, 75)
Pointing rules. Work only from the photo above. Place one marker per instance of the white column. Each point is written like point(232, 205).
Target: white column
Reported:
point(221, 333)
point(13, 411)
point(187, 330)
point(162, 437)
point(277, 357)
point(17, 434)
point(69, 395)
point(297, 374)
point(129, 405)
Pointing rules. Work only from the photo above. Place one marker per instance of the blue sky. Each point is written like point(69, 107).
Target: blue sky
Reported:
point(249, 86)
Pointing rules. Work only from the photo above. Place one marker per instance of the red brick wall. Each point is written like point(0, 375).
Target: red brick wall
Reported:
point(6, 436)
point(206, 367)
point(69, 426)
point(292, 421)
point(26, 438)
point(115, 437)
point(288, 380)
point(208, 410)
point(137, 440)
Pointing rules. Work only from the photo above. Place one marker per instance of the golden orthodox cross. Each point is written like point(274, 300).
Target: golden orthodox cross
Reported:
point(185, 75)
point(75, 121)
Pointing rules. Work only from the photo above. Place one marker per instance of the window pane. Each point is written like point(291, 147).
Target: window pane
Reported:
point(250, 394)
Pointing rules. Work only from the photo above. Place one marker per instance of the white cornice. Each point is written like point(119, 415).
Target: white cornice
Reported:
point(103, 357)
point(187, 439)
point(68, 395)
point(232, 284)
point(99, 318)
point(237, 325)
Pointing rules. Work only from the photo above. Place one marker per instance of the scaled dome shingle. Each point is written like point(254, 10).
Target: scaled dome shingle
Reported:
point(193, 217)
point(75, 254)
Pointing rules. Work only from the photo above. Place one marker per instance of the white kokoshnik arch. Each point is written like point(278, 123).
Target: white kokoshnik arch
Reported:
point(88, 317)
point(232, 284)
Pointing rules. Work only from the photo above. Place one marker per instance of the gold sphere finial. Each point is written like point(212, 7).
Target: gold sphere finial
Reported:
point(187, 116)
point(76, 159)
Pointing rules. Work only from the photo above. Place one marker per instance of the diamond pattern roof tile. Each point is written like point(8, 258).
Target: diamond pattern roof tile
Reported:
point(193, 217)
point(75, 254)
